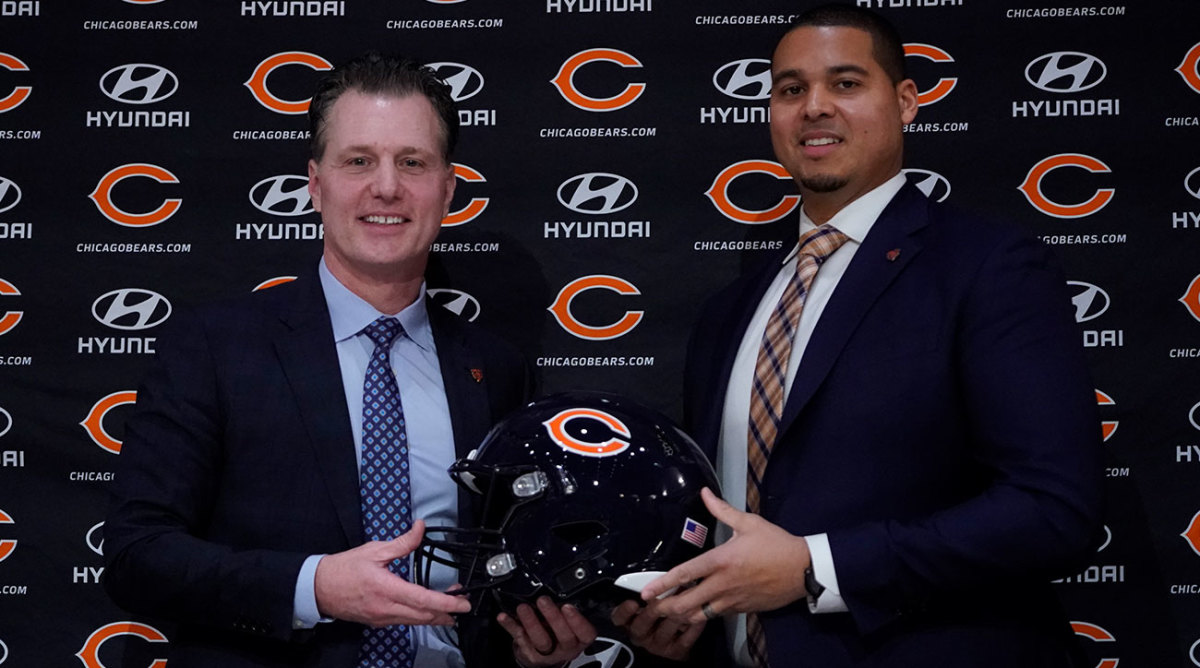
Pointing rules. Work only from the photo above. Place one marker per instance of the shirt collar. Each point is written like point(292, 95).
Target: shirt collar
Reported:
point(350, 313)
point(856, 218)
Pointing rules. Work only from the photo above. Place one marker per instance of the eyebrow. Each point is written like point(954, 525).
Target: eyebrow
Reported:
point(835, 70)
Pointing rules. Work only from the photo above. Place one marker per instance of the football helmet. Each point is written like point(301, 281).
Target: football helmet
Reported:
point(586, 498)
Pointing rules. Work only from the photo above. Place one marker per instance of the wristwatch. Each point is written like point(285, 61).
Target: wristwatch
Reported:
point(810, 583)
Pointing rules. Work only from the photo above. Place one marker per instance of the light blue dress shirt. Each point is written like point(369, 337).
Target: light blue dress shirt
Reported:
point(430, 437)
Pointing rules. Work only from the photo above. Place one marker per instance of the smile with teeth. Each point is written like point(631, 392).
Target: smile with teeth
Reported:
point(385, 220)
point(821, 141)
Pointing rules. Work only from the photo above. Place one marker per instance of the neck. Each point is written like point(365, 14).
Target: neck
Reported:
point(389, 293)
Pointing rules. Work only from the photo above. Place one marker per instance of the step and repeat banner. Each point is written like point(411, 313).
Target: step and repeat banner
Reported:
point(614, 169)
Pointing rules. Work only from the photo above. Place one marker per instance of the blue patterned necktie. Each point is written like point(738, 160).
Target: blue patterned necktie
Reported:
point(384, 485)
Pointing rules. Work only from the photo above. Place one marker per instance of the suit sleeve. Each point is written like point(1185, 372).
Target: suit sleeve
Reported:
point(1030, 425)
point(158, 561)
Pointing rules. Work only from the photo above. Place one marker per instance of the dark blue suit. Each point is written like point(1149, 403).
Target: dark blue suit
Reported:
point(238, 463)
point(942, 429)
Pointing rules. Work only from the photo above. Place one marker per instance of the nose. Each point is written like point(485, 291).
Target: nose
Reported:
point(818, 103)
point(387, 183)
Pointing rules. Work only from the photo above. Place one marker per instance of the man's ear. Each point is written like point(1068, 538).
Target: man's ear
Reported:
point(907, 97)
point(314, 188)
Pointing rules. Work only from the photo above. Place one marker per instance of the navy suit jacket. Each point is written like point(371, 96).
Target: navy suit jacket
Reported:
point(942, 429)
point(238, 462)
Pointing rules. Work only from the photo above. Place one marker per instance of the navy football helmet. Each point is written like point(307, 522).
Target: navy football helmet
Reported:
point(586, 498)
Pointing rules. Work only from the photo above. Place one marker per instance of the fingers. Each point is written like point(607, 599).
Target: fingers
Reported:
point(403, 545)
point(683, 574)
point(725, 513)
point(547, 635)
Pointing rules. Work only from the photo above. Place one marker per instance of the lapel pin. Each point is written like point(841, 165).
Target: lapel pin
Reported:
point(477, 374)
point(893, 254)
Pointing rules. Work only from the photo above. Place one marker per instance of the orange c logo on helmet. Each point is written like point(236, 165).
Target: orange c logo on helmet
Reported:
point(102, 195)
point(718, 193)
point(1108, 427)
point(1190, 299)
point(1031, 187)
point(561, 308)
point(10, 318)
point(272, 282)
point(15, 98)
point(614, 442)
point(6, 546)
point(258, 81)
point(943, 87)
point(564, 80)
point(1093, 632)
point(94, 422)
point(90, 653)
point(1189, 69)
point(473, 208)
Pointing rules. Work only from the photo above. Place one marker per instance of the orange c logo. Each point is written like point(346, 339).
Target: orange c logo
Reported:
point(473, 208)
point(1191, 534)
point(1189, 69)
point(718, 193)
point(10, 318)
point(258, 81)
point(1108, 427)
point(1190, 299)
point(615, 442)
point(943, 87)
point(6, 546)
point(1093, 632)
point(564, 80)
point(94, 422)
point(15, 98)
point(561, 308)
point(90, 654)
point(102, 195)
point(1031, 187)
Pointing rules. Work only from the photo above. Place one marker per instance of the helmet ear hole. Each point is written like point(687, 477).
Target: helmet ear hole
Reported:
point(578, 533)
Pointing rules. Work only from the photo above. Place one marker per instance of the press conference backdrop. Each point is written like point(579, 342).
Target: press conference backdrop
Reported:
point(614, 169)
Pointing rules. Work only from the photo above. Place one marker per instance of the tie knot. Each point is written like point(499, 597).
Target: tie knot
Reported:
point(821, 242)
point(384, 330)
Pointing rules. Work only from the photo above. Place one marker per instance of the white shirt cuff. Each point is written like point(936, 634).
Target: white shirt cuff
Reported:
point(824, 572)
point(304, 604)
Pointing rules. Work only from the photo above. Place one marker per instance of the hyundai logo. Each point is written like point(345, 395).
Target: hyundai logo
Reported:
point(10, 194)
point(597, 193)
point(1191, 183)
point(464, 81)
point(5, 422)
point(139, 83)
point(282, 195)
point(1089, 300)
point(131, 308)
point(747, 79)
point(1065, 72)
point(934, 185)
point(95, 539)
point(455, 301)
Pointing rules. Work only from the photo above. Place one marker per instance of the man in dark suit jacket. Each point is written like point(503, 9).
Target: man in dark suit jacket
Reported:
point(937, 458)
point(237, 505)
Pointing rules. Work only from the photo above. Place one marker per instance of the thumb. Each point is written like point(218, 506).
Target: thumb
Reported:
point(725, 513)
point(405, 543)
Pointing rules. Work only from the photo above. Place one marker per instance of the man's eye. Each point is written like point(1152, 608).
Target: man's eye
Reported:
point(358, 162)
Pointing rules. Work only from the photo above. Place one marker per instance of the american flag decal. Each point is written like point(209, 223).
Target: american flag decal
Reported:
point(694, 532)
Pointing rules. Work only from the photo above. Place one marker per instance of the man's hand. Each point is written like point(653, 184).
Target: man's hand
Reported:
point(357, 586)
point(760, 568)
point(659, 635)
point(563, 636)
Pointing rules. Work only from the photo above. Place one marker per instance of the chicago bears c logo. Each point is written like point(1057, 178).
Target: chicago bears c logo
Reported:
point(94, 422)
point(561, 308)
point(944, 85)
point(565, 83)
point(90, 653)
point(10, 318)
point(1093, 632)
point(588, 432)
point(7, 545)
point(258, 81)
point(18, 95)
point(718, 193)
point(1031, 187)
point(1189, 69)
point(473, 208)
point(102, 195)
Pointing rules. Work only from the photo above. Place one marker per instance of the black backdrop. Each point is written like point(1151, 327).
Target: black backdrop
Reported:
point(615, 168)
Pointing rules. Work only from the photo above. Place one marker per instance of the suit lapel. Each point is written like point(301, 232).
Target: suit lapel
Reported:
point(308, 356)
point(889, 247)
